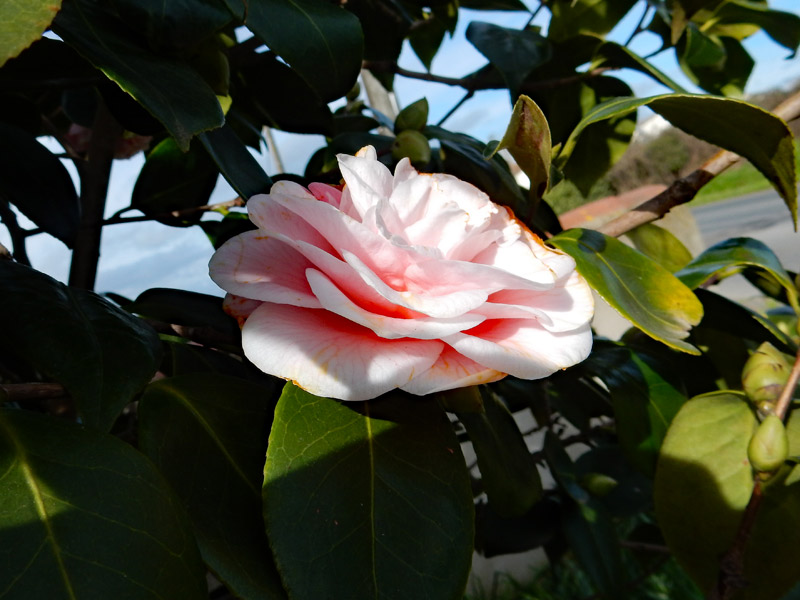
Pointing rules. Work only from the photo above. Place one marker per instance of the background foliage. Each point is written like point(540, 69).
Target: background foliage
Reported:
point(134, 432)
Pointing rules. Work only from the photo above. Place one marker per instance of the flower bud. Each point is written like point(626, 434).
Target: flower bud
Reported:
point(769, 447)
point(598, 484)
point(412, 144)
point(764, 374)
point(414, 117)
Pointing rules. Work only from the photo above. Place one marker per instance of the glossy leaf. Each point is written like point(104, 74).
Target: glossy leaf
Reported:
point(563, 469)
point(22, 22)
point(615, 55)
point(527, 138)
point(703, 483)
point(427, 35)
point(174, 92)
point(207, 435)
point(373, 506)
point(573, 17)
point(732, 256)
point(759, 136)
point(645, 400)
point(235, 162)
point(718, 65)
point(84, 515)
point(640, 289)
point(102, 355)
point(173, 180)
point(329, 57)
point(513, 52)
point(38, 184)
point(508, 472)
point(660, 245)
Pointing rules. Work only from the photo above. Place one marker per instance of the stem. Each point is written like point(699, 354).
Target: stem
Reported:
point(686, 188)
point(785, 399)
point(22, 392)
point(533, 15)
point(16, 232)
point(638, 28)
point(94, 188)
point(458, 105)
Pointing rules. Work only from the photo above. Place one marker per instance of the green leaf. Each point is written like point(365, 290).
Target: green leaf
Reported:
point(730, 257)
point(614, 55)
point(101, 354)
point(703, 483)
point(494, 5)
point(718, 65)
point(645, 401)
point(235, 162)
point(783, 27)
point(527, 138)
point(168, 87)
point(367, 499)
point(513, 52)
point(207, 435)
point(329, 57)
point(84, 515)
point(22, 22)
point(427, 35)
point(38, 184)
point(757, 135)
point(641, 290)
point(660, 245)
point(596, 17)
point(563, 469)
point(173, 180)
point(508, 472)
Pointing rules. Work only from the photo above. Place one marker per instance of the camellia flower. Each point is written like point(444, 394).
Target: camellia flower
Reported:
point(411, 281)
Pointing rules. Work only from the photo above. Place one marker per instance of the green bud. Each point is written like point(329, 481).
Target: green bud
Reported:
point(412, 117)
point(354, 92)
point(769, 447)
point(411, 144)
point(598, 484)
point(764, 374)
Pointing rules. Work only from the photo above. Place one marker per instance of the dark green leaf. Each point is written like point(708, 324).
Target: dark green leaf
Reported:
point(329, 57)
point(660, 245)
point(495, 535)
point(508, 472)
point(513, 52)
point(645, 401)
point(718, 65)
point(207, 434)
point(426, 37)
point(173, 180)
point(731, 257)
point(47, 60)
point(232, 224)
point(783, 27)
point(84, 515)
point(182, 307)
point(385, 26)
point(750, 131)
point(614, 55)
point(638, 288)
point(597, 17)
point(494, 5)
point(22, 22)
point(101, 354)
point(36, 182)
point(235, 162)
point(349, 123)
point(367, 506)
point(527, 138)
point(169, 88)
point(703, 483)
point(563, 469)
point(630, 492)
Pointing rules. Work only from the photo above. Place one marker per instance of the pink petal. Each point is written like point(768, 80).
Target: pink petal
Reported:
point(366, 180)
point(329, 356)
point(452, 370)
point(262, 268)
point(335, 301)
point(522, 347)
point(239, 308)
point(326, 193)
point(271, 217)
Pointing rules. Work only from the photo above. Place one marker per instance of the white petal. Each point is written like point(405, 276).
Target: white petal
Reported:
point(451, 371)
point(329, 356)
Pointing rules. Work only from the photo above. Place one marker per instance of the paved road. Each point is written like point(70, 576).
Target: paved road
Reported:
point(761, 215)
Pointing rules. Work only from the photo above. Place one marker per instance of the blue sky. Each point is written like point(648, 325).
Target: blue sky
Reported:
point(138, 256)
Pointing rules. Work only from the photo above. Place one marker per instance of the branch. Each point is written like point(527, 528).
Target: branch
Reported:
point(117, 218)
point(474, 83)
point(686, 188)
point(22, 392)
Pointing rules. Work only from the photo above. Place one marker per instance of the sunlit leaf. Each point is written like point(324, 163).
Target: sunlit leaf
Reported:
point(375, 502)
point(101, 354)
point(84, 515)
point(660, 245)
point(781, 26)
point(641, 290)
point(22, 22)
point(573, 17)
point(207, 434)
point(615, 55)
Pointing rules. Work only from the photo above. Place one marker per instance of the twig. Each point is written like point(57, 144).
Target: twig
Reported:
point(785, 399)
point(22, 392)
point(458, 105)
point(638, 29)
point(686, 188)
